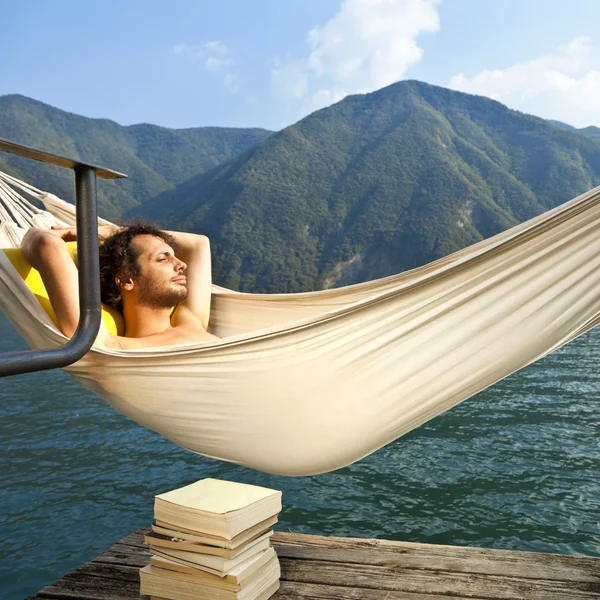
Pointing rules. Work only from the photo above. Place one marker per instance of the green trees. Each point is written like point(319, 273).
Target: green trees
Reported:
point(371, 186)
point(154, 158)
point(377, 184)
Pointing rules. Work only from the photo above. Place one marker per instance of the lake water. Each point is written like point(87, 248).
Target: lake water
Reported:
point(516, 467)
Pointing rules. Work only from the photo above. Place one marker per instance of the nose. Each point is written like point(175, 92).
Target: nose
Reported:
point(179, 265)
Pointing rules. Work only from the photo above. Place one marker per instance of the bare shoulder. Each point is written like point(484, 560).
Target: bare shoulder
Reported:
point(186, 333)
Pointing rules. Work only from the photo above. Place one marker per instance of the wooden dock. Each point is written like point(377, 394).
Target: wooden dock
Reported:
point(335, 568)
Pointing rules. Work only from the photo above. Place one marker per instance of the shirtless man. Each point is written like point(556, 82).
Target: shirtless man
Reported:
point(144, 273)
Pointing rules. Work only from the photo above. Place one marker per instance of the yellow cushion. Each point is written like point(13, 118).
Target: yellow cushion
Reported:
point(111, 317)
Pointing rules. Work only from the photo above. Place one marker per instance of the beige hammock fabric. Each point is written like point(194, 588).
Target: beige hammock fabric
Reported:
point(308, 383)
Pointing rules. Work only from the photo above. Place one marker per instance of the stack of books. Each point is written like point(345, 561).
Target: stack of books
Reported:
point(211, 539)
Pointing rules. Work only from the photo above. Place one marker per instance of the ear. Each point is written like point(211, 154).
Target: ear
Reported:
point(127, 286)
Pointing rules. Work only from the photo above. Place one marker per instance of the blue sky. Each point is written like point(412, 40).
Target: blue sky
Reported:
point(267, 63)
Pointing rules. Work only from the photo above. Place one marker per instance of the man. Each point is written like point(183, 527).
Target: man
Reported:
point(144, 272)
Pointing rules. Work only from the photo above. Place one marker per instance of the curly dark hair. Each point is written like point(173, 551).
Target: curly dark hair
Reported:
point(119, 259)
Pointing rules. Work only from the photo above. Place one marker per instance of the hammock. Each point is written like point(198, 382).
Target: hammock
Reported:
point(307, 383)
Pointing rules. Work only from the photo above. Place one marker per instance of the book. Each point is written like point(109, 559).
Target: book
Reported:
point(170, 585)
point(217, 565)
point(156, 540)
point(265, 595)
point(232, 580)
point(211, 540)
point(217, 507)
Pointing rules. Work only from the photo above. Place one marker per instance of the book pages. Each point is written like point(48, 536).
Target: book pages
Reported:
point(217, 496)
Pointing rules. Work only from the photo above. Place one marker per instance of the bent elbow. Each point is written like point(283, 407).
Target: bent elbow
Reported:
point(202, 240)
point(40, 246)
point(68, 329)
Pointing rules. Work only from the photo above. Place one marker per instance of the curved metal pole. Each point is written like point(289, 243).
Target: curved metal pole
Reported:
point(15, 363)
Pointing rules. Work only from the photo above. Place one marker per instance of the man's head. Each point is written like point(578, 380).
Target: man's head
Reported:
point(140, 261)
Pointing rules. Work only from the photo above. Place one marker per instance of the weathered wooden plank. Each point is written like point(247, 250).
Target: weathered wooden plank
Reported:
point(292, 590)
point(532, 565)
point(136, 538)
point(104, 570)
point(419, 581)
point(125, 555)
point(333, 568)
point(91, 588)
point(96, 581)
point(388, 577)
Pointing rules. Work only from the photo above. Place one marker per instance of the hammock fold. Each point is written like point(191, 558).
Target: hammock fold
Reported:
point(307, 383)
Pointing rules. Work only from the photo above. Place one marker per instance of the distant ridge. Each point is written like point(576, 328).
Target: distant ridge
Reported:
point(373, 185)
point(591, 131)
point(155, 158)
point(562, 125)
point(377, 184)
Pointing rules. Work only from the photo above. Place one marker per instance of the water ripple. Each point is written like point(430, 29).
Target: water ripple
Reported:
point(516, 467)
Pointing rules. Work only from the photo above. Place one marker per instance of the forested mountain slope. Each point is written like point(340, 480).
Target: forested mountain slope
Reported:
point(155, 158)
point(377, 184)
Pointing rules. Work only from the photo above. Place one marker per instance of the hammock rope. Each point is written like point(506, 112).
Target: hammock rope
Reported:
point(17, 214)
point(307, 383)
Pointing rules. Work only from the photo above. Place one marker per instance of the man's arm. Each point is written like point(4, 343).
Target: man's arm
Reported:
point(47, 252)
point(196, 254)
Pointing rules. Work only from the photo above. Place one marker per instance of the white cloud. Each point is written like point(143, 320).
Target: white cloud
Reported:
point(216, 47)
point(367, 45)
point(214, 63)
point(290, 81)
point(231, 83)
point(180, 48)
point(562, 85)
point(214, 56)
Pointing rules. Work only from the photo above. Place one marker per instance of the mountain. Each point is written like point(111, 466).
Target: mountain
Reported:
point(591, 132)
point(155, 159)
point(562, 125)
point(374, 185)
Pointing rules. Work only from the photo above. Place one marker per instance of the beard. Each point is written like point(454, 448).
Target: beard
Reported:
point(157, 295)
